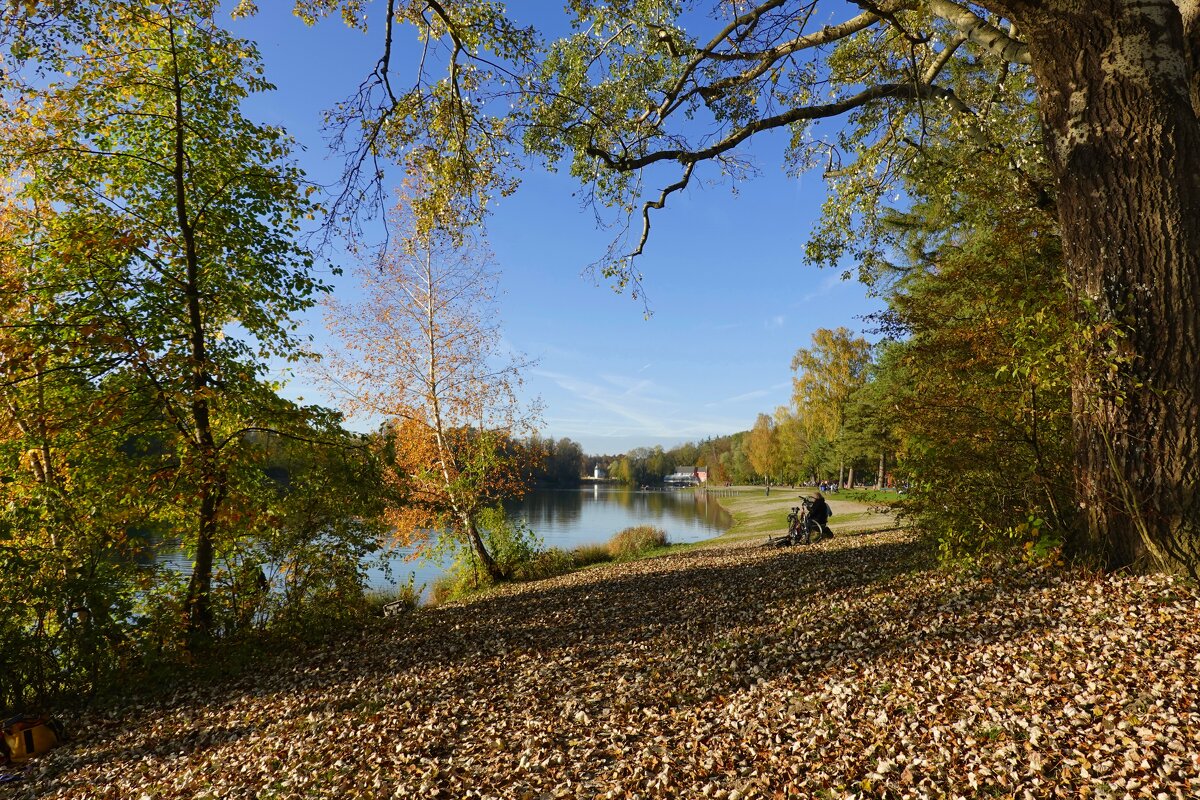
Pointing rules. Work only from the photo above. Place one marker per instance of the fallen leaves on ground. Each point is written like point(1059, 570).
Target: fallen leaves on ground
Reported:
point(852, 669)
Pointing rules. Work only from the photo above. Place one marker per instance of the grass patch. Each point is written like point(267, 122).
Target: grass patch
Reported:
point(762, 522)
point(636, 541)
point(587, 554)
point(544, 564)
point(847, 519)
point(757, 516)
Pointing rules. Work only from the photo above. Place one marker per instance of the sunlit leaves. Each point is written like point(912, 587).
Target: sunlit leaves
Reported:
point(158, 261)
point(978, 391)
point(763, 448)
point(981, 135)
point(636, 95)
point(827, 374)
point(851, 670)
point(442, 114)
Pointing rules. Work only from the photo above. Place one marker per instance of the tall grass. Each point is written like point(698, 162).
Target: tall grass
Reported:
point(636, 540)
point(587, 554)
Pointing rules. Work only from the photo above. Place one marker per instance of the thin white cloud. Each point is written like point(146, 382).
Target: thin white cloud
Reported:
point(641, 388)
point(740, 398)
point(826, 285)
point(754, 394)
point(629, 407)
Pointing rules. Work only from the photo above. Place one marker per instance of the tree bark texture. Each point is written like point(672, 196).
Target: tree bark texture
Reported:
point(1115, 82)
point(489, 564)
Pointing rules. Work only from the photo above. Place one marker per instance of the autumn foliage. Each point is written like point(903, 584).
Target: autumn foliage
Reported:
point(423, 352)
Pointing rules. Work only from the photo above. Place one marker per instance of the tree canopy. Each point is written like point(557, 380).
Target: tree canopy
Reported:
point(149, 256)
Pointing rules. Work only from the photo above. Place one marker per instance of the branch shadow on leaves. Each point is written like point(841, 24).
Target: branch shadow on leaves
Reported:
point(734, 616)
point(774, 609)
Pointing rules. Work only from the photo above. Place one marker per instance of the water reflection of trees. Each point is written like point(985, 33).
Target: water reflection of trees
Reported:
point(548, 508)
point(594, 514)
point(564, 518)
point(710, 510)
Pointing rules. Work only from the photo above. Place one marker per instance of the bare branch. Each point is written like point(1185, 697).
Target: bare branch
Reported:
point(822, 111)
point(766, 60)
point(383, 66)
point(660, 203)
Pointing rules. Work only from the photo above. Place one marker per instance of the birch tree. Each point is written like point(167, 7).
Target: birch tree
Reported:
point(424, 353)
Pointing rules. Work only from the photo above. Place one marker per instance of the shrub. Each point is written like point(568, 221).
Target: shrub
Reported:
point(587, 554)
point(636, 540)
point(545, 564)
point(512, 544)
point(455, 583)
point(514, 547)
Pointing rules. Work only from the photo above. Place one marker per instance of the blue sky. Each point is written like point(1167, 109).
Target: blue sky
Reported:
point(723, 272)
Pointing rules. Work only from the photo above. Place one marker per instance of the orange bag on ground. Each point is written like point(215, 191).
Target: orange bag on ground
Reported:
point(26, 736)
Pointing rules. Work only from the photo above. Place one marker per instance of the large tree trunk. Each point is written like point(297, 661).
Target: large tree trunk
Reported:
point(198, 605)
point(1115, 86)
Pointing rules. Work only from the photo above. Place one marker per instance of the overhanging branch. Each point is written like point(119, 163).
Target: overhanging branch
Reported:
point(822, 111)
point(981, 32)
point(660, 203)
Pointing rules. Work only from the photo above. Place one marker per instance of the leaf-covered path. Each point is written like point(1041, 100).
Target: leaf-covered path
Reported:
point(849, 669)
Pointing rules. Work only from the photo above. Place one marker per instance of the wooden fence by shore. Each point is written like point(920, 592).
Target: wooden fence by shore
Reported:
point(728, 491)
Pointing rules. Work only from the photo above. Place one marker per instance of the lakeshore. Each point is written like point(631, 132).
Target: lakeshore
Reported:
point(757, 515)
point(852, 668)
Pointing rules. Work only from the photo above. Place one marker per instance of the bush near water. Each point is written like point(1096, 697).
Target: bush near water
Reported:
point(636, 540)
point(521, 557)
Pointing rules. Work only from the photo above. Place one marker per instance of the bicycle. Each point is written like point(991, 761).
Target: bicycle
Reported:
point(800, 527)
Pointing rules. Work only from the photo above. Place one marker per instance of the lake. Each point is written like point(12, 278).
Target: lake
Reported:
point(562, 518)
point(567, 518)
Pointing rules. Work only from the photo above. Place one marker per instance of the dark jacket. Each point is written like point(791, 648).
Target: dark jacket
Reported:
point(819, 513)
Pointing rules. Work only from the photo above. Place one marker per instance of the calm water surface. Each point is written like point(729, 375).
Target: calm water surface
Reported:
point(563, 518)
point(591, 515)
